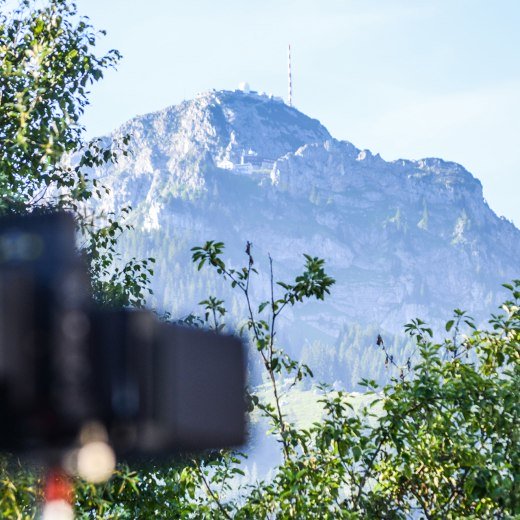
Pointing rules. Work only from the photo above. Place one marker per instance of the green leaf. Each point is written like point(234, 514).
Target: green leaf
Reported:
point(262, 306)
point(356, 453)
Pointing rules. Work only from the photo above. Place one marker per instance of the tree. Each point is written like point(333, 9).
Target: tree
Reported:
point(441, 440)
point(47, 64)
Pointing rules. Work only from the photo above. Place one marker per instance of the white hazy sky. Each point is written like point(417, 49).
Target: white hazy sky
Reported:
point(405, 78)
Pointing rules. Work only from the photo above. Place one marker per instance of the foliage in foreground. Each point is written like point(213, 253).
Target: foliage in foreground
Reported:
point(47, 64)
point(444, 442)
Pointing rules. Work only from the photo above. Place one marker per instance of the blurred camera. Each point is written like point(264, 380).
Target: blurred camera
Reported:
point(162, 387)
point(154, 386)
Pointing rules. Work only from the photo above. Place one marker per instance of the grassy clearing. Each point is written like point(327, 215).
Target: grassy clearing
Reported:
point(303, 406)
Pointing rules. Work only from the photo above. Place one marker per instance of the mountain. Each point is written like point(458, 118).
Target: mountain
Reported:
point(403, 239)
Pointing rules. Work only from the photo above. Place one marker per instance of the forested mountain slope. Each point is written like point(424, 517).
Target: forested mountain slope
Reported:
point(403, 239)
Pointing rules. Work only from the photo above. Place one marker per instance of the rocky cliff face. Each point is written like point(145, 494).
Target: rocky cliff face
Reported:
point(403, 239)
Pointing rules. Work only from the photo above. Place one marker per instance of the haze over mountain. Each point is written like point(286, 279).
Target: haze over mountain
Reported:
point(403, 239)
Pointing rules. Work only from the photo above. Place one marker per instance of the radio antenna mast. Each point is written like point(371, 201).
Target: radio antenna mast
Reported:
point(290, 77)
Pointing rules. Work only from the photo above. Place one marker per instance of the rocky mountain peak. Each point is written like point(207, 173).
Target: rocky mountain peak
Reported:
point(403, 238)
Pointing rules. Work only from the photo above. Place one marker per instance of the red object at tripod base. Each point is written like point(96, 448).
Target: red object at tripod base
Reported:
point(58, 495)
